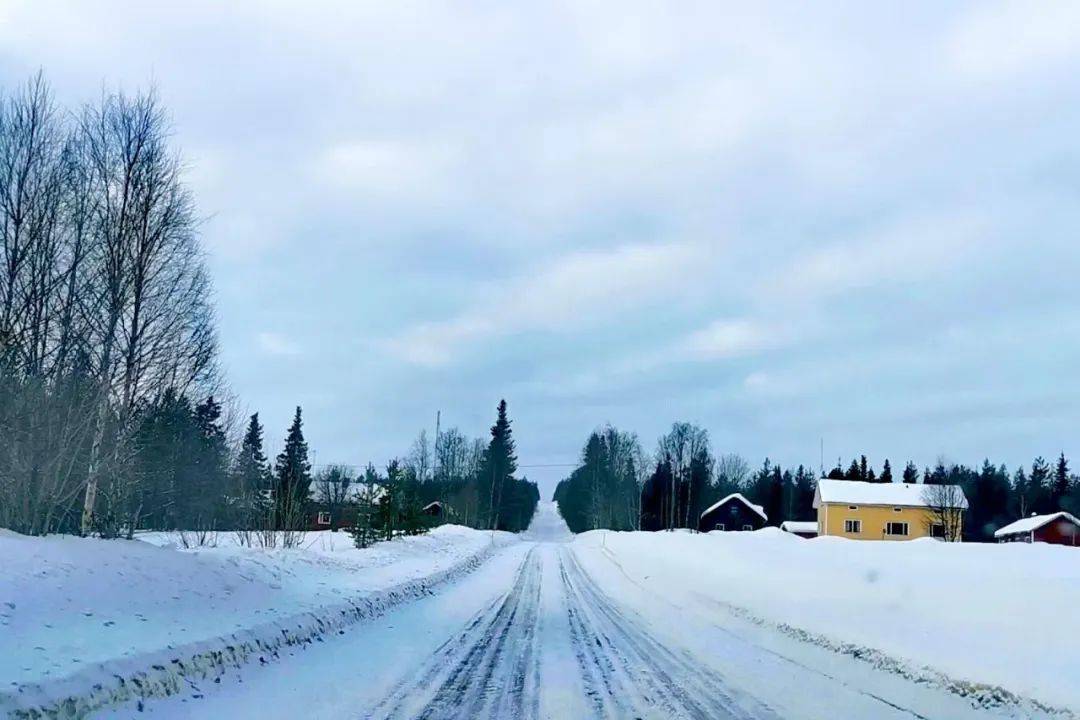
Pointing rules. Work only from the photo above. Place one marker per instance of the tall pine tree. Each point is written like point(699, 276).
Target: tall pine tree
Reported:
point(292, 481)
point(499, 466)
point(251, 475)
point(1059, 486)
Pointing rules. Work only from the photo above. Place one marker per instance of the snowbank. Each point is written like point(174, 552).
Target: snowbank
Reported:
point(85, 622)
point(1002, 615)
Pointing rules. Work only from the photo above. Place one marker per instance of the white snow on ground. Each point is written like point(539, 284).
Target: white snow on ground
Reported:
point(1003, 615)
point(554, 629)
point(75, 607)
point(599, 625)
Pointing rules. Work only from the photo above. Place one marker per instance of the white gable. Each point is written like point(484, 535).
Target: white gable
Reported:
point(738, 496)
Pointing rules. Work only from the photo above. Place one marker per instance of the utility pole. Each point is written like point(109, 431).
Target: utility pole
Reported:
point(435, 448)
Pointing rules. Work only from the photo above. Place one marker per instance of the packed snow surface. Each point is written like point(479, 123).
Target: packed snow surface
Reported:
point(748, 626)
point(1006, 615)
point(67, 603)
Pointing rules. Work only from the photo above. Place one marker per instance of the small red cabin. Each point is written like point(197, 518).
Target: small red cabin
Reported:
point(1060, 528)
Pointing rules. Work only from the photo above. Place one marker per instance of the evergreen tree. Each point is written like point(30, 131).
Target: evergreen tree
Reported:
point(656, 498)
point(210, 463)
point(166, 444)
point(805, 485)
point(1059, 486)
point(988, 499)
point(251, 476)
point(292, 481)
point(911, 473)
point(767, 489)
point(886, 473)
point(940, 475)
point(1021, 505)
point(1038, 488)
point(499, 466)
point(365, 531)
point(837, 473)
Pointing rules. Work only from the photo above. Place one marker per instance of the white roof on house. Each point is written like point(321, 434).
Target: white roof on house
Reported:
point(799, 526)
point(756, 508)
point(1030, 524)
point(856, 492)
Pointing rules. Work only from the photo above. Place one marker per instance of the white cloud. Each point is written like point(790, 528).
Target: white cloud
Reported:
point(906, 251)
point(273, 343)
point(1001, 38)
point(730, 338)
point(385, 167)
point(573, 292)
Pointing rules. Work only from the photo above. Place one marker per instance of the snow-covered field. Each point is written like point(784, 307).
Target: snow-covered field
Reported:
point(1002, 615)
point(75, 612)
point(473, 624)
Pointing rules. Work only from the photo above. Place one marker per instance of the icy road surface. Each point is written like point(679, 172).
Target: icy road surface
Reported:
point(534, 634)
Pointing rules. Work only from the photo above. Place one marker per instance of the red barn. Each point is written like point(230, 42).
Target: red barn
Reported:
point(1060, 528)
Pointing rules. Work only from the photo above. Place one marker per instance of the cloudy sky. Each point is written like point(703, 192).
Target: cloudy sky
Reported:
point(785, 223)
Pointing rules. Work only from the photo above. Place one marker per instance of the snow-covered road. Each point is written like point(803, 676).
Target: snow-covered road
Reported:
point(537, 632)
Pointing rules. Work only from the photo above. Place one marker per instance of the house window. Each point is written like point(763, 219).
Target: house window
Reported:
point(853, 526)
point(719, 526)
point(747, 527)
point(937, 530)
point(896, 509)
point(896, 528)
point(852, 507)
point(324, 518)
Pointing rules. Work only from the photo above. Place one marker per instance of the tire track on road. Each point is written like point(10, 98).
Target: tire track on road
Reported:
point(629, 673)
point(488, 670)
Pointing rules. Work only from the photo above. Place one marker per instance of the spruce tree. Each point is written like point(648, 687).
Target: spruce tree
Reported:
point(1021, 505)
point(292, 480)
point(1059, 486)
point(911, 473)
point(499, 466)
point(251, 474)
point(210, 463)
point(886, 472)
point(1038, 492)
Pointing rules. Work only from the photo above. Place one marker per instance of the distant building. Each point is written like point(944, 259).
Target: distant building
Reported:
point(435, 510)
point(888, 511)
point(804, 529)
point(733, 513)
point(1060, 528)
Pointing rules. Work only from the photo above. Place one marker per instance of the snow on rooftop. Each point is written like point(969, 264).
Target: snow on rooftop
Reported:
point(799, 526)
point(856, 492)
point(756, 508)
point(1030, 524)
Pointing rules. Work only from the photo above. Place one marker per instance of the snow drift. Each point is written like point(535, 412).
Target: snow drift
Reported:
point(999, 615)
point(85, 623)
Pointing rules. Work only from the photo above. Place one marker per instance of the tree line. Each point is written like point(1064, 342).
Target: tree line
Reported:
point(114, 415)
point(618, 486)
point(105, 312)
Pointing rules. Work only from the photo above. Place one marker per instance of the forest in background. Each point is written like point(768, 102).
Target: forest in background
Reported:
point(618, 486)
point(114, 415)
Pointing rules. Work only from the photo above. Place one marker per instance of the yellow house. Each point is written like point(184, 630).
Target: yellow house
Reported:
point(889, 511)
